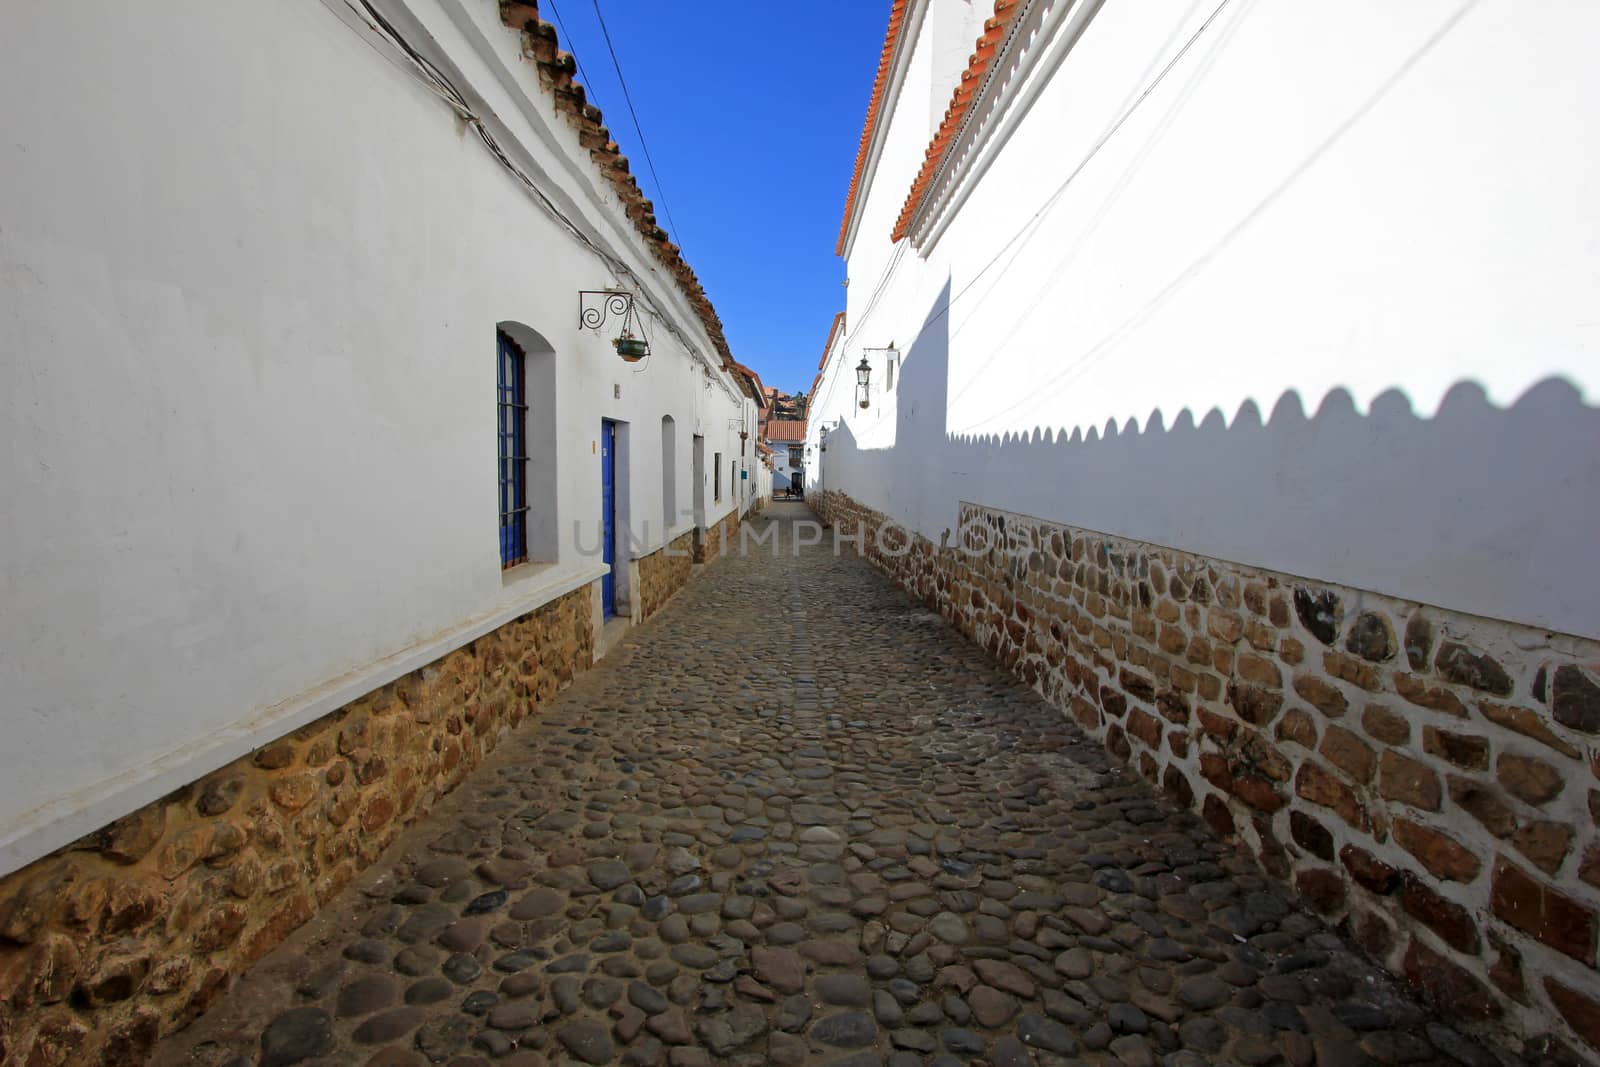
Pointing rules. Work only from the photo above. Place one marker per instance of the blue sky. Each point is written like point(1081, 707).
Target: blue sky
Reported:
point(752, 113)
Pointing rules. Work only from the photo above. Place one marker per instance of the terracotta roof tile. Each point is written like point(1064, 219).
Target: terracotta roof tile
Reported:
point(784, 430)
point(556, 70)
point(972, 79)
point(897, 22)
point(827, 346)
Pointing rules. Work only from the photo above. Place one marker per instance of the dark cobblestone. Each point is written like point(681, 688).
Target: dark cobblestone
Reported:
point(861, 842)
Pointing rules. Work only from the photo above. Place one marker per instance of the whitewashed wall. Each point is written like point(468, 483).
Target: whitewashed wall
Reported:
point(250, 274)
point(1323, 304)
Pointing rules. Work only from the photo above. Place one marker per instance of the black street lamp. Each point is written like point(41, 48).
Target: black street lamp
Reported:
point(863, 375)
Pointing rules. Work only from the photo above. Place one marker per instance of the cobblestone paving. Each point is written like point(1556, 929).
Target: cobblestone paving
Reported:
point(796, 819)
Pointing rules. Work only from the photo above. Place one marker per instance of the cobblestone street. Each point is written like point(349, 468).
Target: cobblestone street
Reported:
point(795, 818)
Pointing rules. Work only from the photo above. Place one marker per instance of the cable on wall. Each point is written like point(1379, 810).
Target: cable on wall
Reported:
point(435, 80)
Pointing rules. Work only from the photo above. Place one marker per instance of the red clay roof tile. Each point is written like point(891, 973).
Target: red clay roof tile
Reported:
point(984, 52)
point(897, 22)
point(556, 69)
point(784, 430)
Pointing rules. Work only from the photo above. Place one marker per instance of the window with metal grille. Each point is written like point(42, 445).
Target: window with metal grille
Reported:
point(716, 475)
point(513, 407)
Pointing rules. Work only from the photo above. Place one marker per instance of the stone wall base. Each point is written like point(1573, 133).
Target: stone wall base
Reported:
point(716, 541)
point(664, 572)
point(130, 932)
point(1427, 781)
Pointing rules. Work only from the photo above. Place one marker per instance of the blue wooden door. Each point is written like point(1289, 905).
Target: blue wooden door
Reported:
point(608, 514)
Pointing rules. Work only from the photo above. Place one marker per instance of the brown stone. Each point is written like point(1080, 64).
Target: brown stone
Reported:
point(116, 977)
point(1218, 726)
point(132, 837)
point(1467, 752)
point(1225, 626)
point(1322, 695)
point(1322, 787)
point(380, 809)
point(1561, 922)
point(1373, 933)
point(1575, 699)
point(1446, 987)
point(274, 757)
point(1441, 854)
point(1214, 810)
point(1347, 752)
point(1544, 843)
point(219, 795)
point(1589, 868)
point(1117, 743)
point(1259, 670)
point(1406, 781)
point(294, 792)
point(55, 1044)
point(1381, 724)
point(1145, 727)
point(1459, 664)
point(44, 973)
point(1484, 804)
point(1369, 871)
point(1352, 670)
point(1419, 642)
point(183, 850)
point(1423, 695)
point(1177, 786)
point(1506, 970)
point(1254, 704)
point(1581, 1010)
point(1321, 888)
point(1371, 637)
point(1452, 922)
point(1311, 835)
point(1297, 726)
point(1531, 780)
point(1528, 723)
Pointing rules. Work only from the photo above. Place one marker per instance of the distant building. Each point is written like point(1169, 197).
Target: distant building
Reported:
point(787, 439)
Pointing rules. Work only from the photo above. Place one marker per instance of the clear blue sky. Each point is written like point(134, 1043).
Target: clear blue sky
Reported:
point(752, 112)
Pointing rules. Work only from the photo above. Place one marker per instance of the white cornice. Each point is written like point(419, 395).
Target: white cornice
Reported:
point(1039, 41)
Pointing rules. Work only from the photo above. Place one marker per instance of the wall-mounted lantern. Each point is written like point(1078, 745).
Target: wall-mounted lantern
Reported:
point(596, 306)
point(863, 376)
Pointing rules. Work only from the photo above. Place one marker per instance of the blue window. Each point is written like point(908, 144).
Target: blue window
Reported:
point(513, 378)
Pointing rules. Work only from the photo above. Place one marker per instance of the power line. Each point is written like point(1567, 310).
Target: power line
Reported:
point(1051, 200)
point(584, 78)
point(437, 82)
point(628, 99)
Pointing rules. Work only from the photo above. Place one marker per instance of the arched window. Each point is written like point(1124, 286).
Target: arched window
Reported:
point(526, 426)
point(513, 430)
point(669, 475)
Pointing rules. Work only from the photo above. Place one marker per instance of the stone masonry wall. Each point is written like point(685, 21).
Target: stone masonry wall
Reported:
point(130, 932)
point(664, 572)
point(1428, 781)
point(718, 540)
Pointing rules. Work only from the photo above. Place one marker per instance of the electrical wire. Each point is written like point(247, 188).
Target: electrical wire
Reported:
point(643, 144)
point(440, 85)
point(1050, 201)
point(584, 78)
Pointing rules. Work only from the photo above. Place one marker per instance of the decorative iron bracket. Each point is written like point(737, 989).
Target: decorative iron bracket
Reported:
point(597, 306)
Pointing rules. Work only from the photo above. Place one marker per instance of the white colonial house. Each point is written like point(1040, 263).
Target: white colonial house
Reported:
point(342, 356)
point(1228, 370)
point(787, 440)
